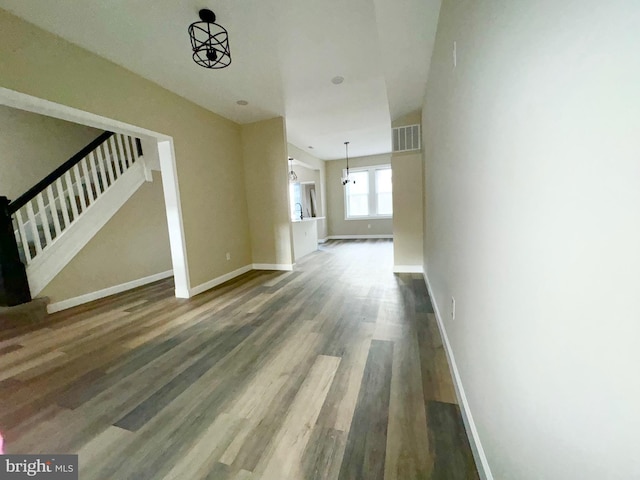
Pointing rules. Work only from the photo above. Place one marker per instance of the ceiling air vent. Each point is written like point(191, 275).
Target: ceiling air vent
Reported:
point(406, 138)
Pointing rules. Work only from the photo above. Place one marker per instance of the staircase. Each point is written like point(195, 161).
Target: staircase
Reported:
point(59, 215)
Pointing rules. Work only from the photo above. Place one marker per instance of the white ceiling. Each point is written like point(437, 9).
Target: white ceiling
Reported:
point(285, 53)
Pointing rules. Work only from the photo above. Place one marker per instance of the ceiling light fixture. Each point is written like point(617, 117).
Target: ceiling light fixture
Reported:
point(337, 80)
point(242, 103)
point(346, 179)
point(209, 41)
point(292, 175)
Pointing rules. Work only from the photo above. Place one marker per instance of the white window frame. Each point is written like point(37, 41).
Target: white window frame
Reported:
point(373, 190)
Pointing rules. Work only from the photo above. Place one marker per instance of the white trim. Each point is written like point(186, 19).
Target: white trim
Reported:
point(105, 292)
point(472, 432)
point(322, 240)
point(287, 267)
point(358, 237)
point(45, 266)
point(175, 224)
point(203, 287)
point(407, 269)
point(33, 104)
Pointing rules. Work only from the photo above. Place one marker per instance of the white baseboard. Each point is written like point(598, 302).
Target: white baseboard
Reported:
point(322, 240)
point(407, 269)
point(105, 292)
point(287, 267)
point(203, 287)
point(474, 439)
point(357, 237)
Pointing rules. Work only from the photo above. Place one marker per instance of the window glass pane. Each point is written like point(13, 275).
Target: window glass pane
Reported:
point(384, 198)
point(358, 205)
point(295, 196)
point(385, 204)
point(383, 180)
point(359, 183)
point(358, 194)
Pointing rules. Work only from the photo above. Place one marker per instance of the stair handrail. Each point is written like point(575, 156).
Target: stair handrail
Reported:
point(30, 194)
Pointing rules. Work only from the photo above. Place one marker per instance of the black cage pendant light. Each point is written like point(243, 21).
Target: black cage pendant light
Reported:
point(209, 42)
point(346, 179)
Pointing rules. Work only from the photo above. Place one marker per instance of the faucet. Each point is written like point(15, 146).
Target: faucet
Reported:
point(300, 209)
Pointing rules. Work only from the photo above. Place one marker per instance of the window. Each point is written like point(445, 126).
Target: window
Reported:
point(295, 195)
point(369, 194)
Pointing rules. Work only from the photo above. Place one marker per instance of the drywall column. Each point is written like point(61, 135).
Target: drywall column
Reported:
point(407, 212)
point(264, 154)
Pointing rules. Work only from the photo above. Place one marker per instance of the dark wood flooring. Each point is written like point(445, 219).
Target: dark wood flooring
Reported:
point(333, 371)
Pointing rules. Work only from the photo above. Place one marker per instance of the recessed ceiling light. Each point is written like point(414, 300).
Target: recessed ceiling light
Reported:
point(310, 147)
point(242, 102)
point(337, 80)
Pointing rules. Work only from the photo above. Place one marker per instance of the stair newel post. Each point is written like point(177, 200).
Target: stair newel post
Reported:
point(14, 286)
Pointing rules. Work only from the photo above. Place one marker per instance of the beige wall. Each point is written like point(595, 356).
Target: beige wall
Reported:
point(532, 182)
point(412, 118)
point(337, 225)
point(207, 146)
point(408, 201)
point(32, 146)
point(133, 244)
point(407, 209)
point(264, 150)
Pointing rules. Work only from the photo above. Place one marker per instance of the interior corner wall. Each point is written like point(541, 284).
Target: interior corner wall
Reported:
point(321, 185)
point(337, 224)
point(32, 146)
point(407, 209)
point(264, 153)
point(132, 245)
point(532, 178)
point(207, 147)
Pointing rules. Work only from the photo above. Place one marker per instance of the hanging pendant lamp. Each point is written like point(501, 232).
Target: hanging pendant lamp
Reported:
point(209, 41)
point(292, 175)
point(346, 178)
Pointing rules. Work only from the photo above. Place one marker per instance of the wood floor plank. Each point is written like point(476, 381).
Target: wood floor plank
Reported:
point(407, 438)
point(449, 444)
point(284, 461)
point(365, 452)
point(334, 370)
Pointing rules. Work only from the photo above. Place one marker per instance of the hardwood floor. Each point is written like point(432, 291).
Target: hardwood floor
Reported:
point(333, 371)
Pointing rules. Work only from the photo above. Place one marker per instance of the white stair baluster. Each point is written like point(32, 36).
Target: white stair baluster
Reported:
point(127, 146)
point(43, 219)
point(121, 153)
point(134, 147)
point(34, 227)
point(94, 174)
point(103, 175)
point(62, 199)
point(114, 156)
point(71, 193)
point(53, 210)
point(86, 181)
point(23, 236)
point(78, 187)
point(107, 158)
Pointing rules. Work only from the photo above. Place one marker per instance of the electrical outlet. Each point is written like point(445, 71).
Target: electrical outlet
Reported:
point(228, 256)
point(453, 308)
